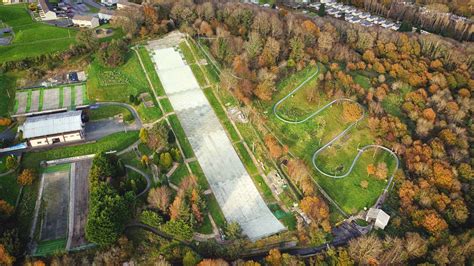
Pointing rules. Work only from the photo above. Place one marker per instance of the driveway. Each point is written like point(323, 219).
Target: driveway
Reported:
point(98, 129)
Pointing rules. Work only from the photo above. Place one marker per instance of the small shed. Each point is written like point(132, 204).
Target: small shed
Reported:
point(380, 217)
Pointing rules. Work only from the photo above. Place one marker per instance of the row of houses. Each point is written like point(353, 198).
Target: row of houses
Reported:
point(354, 15)
point(88, 20)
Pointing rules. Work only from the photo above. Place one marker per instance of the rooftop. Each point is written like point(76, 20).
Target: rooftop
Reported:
point(52, 124)
point(83, 17)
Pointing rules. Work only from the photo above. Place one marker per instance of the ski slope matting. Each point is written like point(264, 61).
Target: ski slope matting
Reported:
point(235, 191)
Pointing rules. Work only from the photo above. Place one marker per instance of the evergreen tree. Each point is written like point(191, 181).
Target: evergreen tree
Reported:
point(322, 10)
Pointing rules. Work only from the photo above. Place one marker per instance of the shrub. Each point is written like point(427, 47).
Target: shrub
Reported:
point(27, 177)
point(151, 218)
point(166, 160)
point(11, 162)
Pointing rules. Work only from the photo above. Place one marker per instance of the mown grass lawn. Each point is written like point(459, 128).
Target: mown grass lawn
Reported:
point(215, 210)
point(166, 104)
point(7, 92)
point(117, 84)
point(197, 171)
point(116, 141)
point(50, 247)
point(107, 111)
point(304, 139)
point(150, 69)
point(181, 136)
point(179, 174)
point(221, 114)
point(32, 38)
point(9, 188)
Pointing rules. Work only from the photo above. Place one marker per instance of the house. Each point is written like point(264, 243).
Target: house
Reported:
point(105, 14)
point(11, 2)
point(53, 128)
point(108, 2)
point(45, 12)
point(122, 4)
point(379, 216)
point(85, 21)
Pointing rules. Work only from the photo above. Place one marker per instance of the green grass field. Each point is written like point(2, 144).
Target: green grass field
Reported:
point(117, 84)
point(7, 91)
point(108, 111)
point(117, 141)
point(179, 174)
point(32, 38)
point(215, 210)
point(181, 136)
point(150, 69)
point(9, 188)
point(197, 171)
point(50, 247)
point(221, 114)
point(166, 104)
point(304, 139)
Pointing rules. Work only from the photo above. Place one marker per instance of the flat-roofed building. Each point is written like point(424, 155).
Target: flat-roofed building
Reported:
point(54, 128)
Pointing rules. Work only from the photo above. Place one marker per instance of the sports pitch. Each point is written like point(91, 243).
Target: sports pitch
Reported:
point(54, 208)
point(62, 211)
point(37, 100)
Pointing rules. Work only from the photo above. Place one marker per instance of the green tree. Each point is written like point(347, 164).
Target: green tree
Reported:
point(191, 259)
point(405, 27)
point(113, 54)
point(87, 38)
point(322, 10)
point(179, 229)
point(105, 166)
point(166, 160)
point(143, 135)
point(108, 213)
point(151, 218)
point(11, 162)
point(233, 230)
point(176, 154)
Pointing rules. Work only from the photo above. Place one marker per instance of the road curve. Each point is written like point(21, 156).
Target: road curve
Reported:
point(148, 182)
point(338, 136)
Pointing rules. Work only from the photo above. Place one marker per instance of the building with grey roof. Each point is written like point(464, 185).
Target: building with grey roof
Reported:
point(53, 128)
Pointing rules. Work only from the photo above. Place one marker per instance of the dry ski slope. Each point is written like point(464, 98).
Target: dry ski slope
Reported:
point(235, 191)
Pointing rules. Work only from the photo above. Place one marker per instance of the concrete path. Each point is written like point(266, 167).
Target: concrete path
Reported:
point(148, 181)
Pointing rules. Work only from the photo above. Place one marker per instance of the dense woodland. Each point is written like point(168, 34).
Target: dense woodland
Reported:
point(420, 105)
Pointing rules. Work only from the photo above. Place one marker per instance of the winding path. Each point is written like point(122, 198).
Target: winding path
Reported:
point(148, 181)
point(338, 136)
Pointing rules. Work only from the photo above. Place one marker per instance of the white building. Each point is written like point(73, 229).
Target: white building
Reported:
point(121, 4)
point(45, 13)
point(381, 218)
point(105, 14)
point(54, 128)
point(85, 21)
point(108, 2)
point(11, 2)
